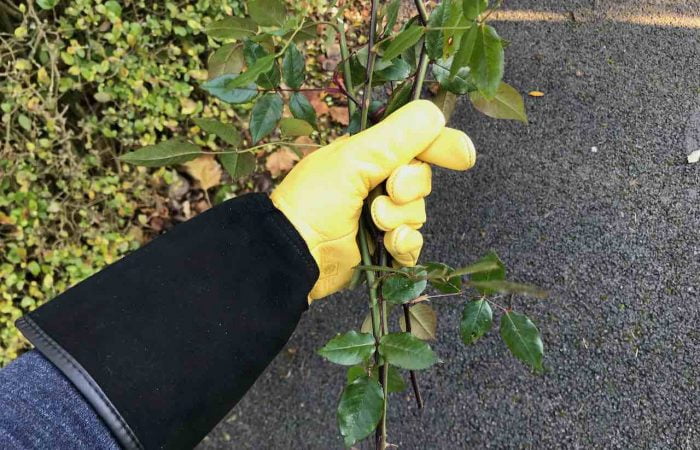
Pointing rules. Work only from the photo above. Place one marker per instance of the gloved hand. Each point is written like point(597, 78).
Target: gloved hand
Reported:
point(323, 195)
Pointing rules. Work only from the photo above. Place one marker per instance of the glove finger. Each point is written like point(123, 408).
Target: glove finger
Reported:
point(388, 215)
point(409, 182)
point(395, 141)
point(404, 245)
point(452, 149)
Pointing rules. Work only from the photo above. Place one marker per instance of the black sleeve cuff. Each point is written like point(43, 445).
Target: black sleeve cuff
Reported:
point(164, 342)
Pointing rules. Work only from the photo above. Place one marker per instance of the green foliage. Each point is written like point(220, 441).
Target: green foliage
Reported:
point(267, 111)
point(102, 79)
point(523, 339)
point(173, 151)
point(477, 319)
point(403, 287)
point(348, 349)
point(360, 409)
point(406, 351)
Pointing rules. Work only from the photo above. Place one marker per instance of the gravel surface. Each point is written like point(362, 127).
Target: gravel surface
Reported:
point(595, 201)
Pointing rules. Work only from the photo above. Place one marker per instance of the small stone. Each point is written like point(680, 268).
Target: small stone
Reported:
point(694, 157)
point(594, 149)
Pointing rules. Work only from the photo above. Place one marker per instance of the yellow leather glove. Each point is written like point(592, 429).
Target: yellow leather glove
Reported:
point(323, 195)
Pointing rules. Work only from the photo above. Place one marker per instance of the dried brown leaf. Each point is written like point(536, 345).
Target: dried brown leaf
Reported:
point(205, 170)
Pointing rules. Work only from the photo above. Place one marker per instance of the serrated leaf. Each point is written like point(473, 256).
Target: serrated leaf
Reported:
point(231, 28)
point(395, 382)
point(506, 104)
point(354, 373)
point(295, 127)
point(403, 41)
point(223, 88)
point(226, 132)
point(446, 101)
point(423, 322)
point(238, 165)
point(406, 351)
point(398, 289)
point(453, 20)
point(523, 339)
point(360, 409)
point(434, 38)
point(301, 108)
point(477, 319)
point(391, 12)
point(486, 62)
point(266, 112)
point(442, 277)
point(464, 53)
point(473, 8)
point(227, 59)
point(499, 273)
point(173, 151)
point(263, 65)
point(253, 53)
point(293, 67)
point(397, 71)
point(399, 97)
point(509, 287)
point(459, 84)
point(267, 13)
point(485, 264)
point(348, 349)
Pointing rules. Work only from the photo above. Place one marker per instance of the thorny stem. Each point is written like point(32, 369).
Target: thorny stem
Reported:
point(412, 373)
point(347, 78)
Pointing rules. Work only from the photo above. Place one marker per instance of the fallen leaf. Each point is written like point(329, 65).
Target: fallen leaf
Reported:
point(317, 102)
point(694, 157)
point(281, 161)
point(536, 94)
point(307, 145)
point(206, 170)
point(340, 115)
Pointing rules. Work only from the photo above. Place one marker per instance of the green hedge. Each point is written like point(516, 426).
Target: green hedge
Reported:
point(82, 80)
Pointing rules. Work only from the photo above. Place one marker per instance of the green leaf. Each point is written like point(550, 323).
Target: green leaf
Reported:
point(460, 84)
point(442, 277)
point(477, 319)
point(399, 97)
point(486, 61)
point(301, 108)
point(253, 54)
point(506, 104)
point(446, 101)
point(267, 13)
point(397, 71)
point(434, 38)
point(228, 89)
point(391, 12)
point(227, 59)
point(509, 287)
point(226, 132)
point(295, 127)
point(293, 67)
point(485, 264)
point(24, 122)
point(453, 19)
point(266, 112)
point(360, 409)
point(398, 288)
point(395, 382)
point(464, 53)
point(231, 28)
point(423, 322)
point(499, 273)
point(406, 351)
point(262, 65)
point(47, 4)
point(166, 153)
point(238, 165)
point(348, 349)
point(523, 339)
point(473, 8)
point(354, 373)
point(403, 41)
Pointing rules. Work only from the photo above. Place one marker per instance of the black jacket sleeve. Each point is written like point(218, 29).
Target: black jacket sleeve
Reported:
point(164, 342)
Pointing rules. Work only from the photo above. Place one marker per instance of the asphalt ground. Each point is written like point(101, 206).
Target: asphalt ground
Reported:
point(612, 232)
